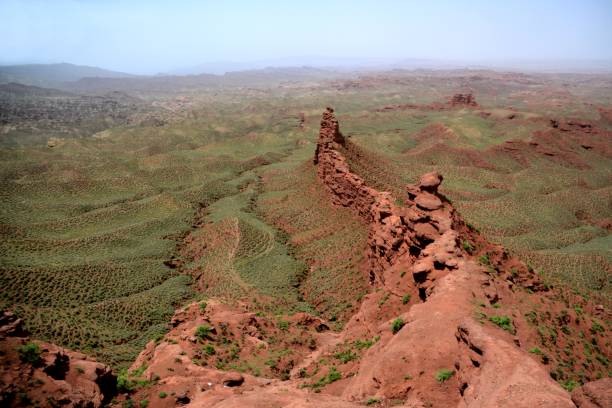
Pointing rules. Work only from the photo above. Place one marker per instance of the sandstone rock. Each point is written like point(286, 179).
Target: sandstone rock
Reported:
point(233, 379)
point(428, 201)
point(595, 394)
point(466, 99)
point(60, 377)
point(430, 181)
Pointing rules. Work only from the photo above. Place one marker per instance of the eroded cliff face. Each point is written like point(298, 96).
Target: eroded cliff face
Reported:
point(421, 229)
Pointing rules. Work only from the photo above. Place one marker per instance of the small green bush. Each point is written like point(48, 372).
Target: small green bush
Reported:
point(332, 375)
point(367, 343)
point(162, 394)
point(124, 384)
point(397, 325)
point(203, 332)
point(209, 349)
point(29, 353)
point(346, 356)
point(405, 299)
point(144, 403)
point(503, 322)
point(444, 374)
point(372, 401)
point(569, 385)
point(484, 259)
point(283, 325)
point(596, 327)
point(467, 246)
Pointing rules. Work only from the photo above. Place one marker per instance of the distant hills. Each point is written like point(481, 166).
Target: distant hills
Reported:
point(20, 90)
point(50, 75)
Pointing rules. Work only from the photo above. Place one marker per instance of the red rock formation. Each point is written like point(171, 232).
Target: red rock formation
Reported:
point(348, 189)
point(596, 394)
point(461, 99)
point(413, 250)
point(43, 374)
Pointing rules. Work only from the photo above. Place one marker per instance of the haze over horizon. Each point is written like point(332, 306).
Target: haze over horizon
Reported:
point(152, 37)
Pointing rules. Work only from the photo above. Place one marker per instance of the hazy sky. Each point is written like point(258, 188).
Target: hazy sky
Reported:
point(151, 36)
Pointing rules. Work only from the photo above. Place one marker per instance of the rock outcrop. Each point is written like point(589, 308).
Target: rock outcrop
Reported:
point(463, 99)
point(34, 373)
point(414, 253)
point(595, 394)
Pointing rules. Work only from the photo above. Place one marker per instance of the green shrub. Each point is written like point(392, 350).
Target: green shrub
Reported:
point(29, 353)
point(124, 383)
point(596, 327)
point(569, 385)
point(467, 246)
point(397, 325)
point(332, 375)
point(367, 343)
point(444, 374)
point(144, 403)
point(203, 332)
point(372, 401)
point(405, 299)
point(346, 356)
point(283, 325)
point(162, 394)
point(209, 349)
point(484, 259)
point(504, 322)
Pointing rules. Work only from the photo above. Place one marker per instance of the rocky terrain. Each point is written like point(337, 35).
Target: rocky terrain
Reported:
point(450, 319)
point(28, 110)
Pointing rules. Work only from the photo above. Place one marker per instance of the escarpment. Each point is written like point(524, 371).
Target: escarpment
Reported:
point(421, 228)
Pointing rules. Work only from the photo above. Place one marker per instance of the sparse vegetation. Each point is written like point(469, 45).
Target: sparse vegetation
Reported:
point(203, 332)
point(346, 356)
point(397, 325)
point(30, 353)
point(444, 374)
point(503, 322)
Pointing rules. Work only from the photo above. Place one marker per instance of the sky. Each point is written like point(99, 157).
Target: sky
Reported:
point(149, 36)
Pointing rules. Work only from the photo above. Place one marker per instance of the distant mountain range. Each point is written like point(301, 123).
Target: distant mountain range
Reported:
point(50, 75)
point(80, 78)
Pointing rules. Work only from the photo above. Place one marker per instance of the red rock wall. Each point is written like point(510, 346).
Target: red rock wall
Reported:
point(347, 189)
point(392, 228)
point(407, 233)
